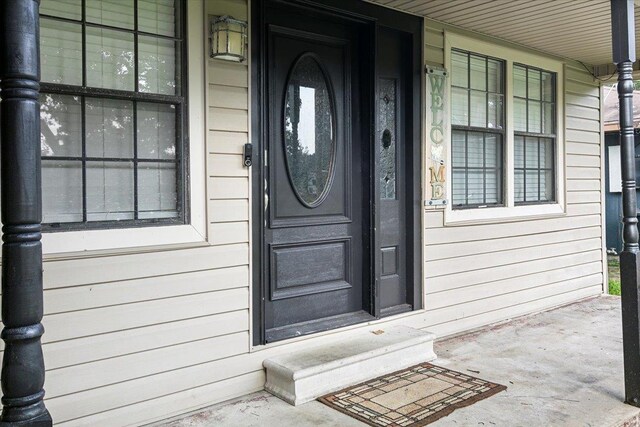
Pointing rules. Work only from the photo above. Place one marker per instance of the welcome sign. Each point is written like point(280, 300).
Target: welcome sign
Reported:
point(436, 136)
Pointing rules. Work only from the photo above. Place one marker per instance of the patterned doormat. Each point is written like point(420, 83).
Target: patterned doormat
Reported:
point(413, 397)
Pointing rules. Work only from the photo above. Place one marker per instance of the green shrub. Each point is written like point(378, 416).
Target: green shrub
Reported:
point(614, 287)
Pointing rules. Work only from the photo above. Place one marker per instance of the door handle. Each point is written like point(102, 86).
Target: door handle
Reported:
point(266, 198)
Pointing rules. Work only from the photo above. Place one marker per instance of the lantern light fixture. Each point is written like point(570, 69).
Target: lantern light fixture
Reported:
point(228, 38)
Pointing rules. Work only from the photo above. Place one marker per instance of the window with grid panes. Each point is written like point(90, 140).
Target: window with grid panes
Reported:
point(112, 113)
point(477, 130)
point(534, 134)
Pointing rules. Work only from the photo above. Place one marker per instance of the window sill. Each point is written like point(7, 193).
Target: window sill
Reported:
point(99, 242)
point(454, 218)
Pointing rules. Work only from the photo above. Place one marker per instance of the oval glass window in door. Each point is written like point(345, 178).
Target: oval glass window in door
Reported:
point(309, 134)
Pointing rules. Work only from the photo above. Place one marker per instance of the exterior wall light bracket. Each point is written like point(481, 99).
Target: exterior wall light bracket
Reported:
point(436, 70)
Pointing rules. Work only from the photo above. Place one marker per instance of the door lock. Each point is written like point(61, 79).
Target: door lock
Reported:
point(248, 155)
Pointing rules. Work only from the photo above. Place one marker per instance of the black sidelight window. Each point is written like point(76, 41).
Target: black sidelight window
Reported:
point(534, 109)
point(113, 113)
point(477, 123)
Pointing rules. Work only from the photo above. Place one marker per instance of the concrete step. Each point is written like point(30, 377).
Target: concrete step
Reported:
point(306, 375)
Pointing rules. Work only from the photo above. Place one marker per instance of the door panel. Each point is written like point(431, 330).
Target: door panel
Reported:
point(391, 140)
point(314, 237)
point(291, 47)
point(326, 268)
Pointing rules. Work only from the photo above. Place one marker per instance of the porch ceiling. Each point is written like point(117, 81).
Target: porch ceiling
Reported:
point(575, 29)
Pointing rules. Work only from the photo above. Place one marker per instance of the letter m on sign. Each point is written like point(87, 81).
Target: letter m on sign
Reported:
point(437, 174)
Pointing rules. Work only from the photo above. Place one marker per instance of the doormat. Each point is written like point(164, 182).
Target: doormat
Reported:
point(413, 397)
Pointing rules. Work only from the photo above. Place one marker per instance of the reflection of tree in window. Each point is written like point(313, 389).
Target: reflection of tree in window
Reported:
point(111, 137)
point(308, 130)
point(56, 134)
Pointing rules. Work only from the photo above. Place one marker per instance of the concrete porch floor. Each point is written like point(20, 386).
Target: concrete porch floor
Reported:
point(562, 368)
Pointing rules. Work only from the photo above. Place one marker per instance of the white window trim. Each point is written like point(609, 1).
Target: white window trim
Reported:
point(509, 212)
point(66, 242)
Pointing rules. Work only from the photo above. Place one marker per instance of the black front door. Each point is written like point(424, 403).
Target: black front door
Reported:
point(337, 188)
point(315, 252)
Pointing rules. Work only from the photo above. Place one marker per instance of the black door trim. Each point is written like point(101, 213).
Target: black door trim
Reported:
point(371, 15)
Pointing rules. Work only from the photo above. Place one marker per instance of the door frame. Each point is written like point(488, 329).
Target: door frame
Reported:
point(371, 16)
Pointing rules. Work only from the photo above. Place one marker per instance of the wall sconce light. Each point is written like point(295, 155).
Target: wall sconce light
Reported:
point(228, 38)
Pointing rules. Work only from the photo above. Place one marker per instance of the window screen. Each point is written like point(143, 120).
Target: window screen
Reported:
point(112, 112)
point(477, 137)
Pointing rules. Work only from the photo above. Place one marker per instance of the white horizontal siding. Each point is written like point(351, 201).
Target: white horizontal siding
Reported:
point(507, 245)
point(114, 370)
point(479, 274)
point(83, 323)
point(150, 264)
point(454, 265)
point(221, 142)
point(81, 406)
point(110, 294)
point(498, 230)
point(174, 403)
point(557, 296)
point(508, 271)
point(136, 340)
